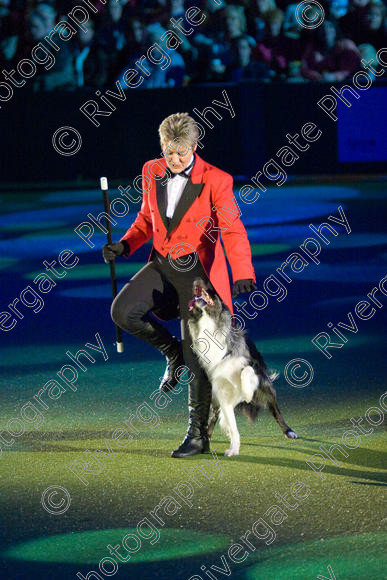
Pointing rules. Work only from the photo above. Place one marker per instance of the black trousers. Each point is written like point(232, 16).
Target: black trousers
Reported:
point(166, 282)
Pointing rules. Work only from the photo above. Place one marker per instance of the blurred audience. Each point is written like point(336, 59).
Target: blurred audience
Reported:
point(112, 35)
point(256, 17)
point(368, 54)
point(237, 41)
point(62, 74)
point(272, 47)
point(244, 67)
point(328, 57)
point(374, 30)
point(352, 23)
point(90, 59)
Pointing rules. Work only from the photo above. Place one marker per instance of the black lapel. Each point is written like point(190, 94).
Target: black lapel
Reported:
point(190, 193)
point(161, 193)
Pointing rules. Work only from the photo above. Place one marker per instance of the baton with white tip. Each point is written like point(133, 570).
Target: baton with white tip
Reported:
point(105, 193)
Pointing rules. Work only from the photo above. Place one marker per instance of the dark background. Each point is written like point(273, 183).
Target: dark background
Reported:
point(117, 148)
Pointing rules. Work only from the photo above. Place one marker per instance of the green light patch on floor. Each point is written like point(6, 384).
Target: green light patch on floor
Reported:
point(91, 546)
point(349, 557)
point(297, 344)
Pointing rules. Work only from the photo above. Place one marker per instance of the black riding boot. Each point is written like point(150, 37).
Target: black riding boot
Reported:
point(159, 337)
point(174, 355)
point(196, 441)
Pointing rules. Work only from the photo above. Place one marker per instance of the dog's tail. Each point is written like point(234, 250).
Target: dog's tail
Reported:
point(249, 410)
point(264, 393)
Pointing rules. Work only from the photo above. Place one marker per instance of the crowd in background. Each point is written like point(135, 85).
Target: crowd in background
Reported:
point(245, 40)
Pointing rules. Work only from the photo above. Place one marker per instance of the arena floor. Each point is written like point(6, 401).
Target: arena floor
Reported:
point(334, 529)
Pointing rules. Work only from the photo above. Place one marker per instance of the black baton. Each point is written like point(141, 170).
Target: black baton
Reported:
point(105, 193)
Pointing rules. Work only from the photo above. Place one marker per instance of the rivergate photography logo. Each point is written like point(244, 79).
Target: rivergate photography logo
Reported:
point(310, 14)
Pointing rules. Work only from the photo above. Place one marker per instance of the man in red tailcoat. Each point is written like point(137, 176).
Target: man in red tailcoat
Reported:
point(186, 204)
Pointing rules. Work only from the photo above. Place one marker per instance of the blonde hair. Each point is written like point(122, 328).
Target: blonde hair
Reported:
point(179, 128)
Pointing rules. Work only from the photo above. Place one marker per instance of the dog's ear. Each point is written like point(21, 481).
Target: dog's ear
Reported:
point(198, 284)
point(207, 297)
point(212, 294)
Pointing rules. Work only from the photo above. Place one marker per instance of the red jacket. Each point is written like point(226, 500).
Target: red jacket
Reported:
point(207, 203)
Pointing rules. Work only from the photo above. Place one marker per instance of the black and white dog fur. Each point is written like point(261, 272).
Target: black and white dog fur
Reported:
point(236, 369)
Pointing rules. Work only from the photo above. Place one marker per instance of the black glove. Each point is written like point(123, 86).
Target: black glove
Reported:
point(241, 286)
point(110, 251)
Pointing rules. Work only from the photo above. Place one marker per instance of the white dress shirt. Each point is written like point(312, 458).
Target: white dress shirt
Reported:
point(175, 189)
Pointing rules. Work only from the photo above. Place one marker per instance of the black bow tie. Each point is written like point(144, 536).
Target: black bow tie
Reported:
point(185, 173)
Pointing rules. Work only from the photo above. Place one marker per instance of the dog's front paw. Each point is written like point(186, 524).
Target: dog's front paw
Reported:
point(231, 452)
point(291, 434)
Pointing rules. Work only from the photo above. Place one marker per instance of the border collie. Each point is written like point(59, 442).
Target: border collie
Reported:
point(236, 369)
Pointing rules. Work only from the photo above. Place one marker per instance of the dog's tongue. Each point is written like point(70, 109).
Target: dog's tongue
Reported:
point(191, 304)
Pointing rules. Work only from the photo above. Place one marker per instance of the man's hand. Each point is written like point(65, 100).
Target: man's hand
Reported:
point(110, 251)
point(241, 286)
